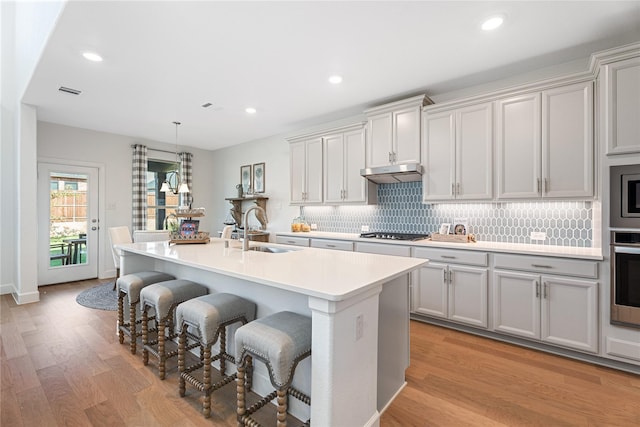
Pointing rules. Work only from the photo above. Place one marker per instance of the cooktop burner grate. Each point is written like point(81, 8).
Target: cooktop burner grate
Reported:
point(393, 236)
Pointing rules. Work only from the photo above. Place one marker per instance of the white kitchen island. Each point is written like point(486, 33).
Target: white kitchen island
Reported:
point(358, 303)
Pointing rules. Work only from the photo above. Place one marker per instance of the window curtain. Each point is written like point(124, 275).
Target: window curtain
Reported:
point(187, 173)
point(139, 188)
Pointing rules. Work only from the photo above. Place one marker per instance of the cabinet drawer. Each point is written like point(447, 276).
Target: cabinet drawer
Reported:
point(296, 241)
point(383, 249)
point(339, 245)
point(452, 256)
point(546, 265)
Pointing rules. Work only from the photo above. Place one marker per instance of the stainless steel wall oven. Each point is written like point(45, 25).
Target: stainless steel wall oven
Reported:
point(625, 278)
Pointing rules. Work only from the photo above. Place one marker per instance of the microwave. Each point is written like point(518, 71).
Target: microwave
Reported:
point(625, 196)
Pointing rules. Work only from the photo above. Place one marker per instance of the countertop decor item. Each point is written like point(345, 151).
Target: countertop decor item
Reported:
point(199, 237)
point(457, 238)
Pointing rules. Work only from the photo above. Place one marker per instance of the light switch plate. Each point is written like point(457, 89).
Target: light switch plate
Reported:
point(364, 229)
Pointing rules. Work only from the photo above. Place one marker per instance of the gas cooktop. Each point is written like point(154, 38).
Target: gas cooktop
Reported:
point(393, 236)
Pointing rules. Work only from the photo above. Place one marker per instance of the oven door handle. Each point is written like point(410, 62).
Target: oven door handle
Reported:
point(626, 250)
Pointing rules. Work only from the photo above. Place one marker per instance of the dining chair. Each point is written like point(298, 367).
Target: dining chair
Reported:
point(118, 235)
point(151, 236)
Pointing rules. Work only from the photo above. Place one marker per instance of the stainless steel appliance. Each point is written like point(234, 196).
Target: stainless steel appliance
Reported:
point(625, 278)
point(393, 236)
point(625, 196)
point(392, 174)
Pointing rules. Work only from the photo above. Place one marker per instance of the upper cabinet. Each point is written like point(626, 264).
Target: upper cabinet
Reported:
point(544, 144)
point(325, 167)
point(344, 154)
point(621, 106)
point(457, 154)
point(306, 171)
point(393, 132)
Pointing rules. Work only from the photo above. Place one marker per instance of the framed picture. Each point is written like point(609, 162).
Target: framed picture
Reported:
point(258, 178)
point(245, 178)
point(444, 228)
point(189, 227)
point(461, 226)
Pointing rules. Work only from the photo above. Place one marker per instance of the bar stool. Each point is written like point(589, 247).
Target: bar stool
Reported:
point(209, 315)
point(162, 298)
point(130, 285)
point(280, 341)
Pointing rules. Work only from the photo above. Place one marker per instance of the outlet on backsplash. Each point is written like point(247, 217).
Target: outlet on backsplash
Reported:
point(538, 235)
point(364, 229)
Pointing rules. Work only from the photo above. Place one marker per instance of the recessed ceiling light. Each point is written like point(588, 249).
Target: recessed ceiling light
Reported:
point(250, 110)
point(91, 56)
point(492, 23)
point(335, 80)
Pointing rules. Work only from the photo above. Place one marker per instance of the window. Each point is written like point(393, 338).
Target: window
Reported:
point(160, 206)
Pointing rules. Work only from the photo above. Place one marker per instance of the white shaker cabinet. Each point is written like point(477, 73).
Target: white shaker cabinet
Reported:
point(458, 154)
point(393, 132)
point(621, 106)
point(450, 290)
point(567, 141)
point(555, 309)
point(344, 156)
point(544, 144)
point(306, 171)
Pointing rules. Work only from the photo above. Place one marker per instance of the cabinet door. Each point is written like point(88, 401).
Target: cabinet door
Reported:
point(570, 313)
point(518, 147)
point(468, 295)
point(354, 152)
point(314, 171)
point(406, 135)
point(379, 137)
point(334, 161)
point(621, 108)
point(474, 153)
point(430, 293)
point(438, 156)
point(567, 141)
point(516, 303)
point(297, 170)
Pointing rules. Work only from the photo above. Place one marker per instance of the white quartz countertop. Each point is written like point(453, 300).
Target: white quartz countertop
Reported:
point(512, 248)
point(331, 275)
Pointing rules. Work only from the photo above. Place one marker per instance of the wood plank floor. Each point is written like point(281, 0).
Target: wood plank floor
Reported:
point(61, 365)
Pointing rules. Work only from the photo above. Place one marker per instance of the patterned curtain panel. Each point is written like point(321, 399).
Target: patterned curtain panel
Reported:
point(139, 190)
point(187, 173)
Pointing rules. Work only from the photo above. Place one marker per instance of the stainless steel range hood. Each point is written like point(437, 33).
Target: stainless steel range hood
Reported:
point(393, 173)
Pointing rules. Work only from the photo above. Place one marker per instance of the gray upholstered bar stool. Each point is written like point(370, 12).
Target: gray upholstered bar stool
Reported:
point(161, 299)
point(280, 341)
point(209, 315)
point(130, 286)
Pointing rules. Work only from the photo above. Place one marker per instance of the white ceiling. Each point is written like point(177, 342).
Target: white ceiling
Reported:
point(163, 60)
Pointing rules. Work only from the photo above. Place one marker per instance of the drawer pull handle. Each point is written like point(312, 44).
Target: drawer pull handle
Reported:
point(291, 241)
point(447, 257)
point(331, 246)
point(541, 266)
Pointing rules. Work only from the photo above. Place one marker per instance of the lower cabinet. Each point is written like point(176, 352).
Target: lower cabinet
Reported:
point(452, 291)
point(555, 310)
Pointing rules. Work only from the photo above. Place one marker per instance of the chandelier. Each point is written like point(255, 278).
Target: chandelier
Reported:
point(180, 186)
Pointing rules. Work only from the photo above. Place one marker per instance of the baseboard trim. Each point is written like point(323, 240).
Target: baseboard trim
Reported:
point(26, 298)
point(7, 288)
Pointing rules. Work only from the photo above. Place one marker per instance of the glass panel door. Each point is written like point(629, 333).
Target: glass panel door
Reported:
point(68, 224)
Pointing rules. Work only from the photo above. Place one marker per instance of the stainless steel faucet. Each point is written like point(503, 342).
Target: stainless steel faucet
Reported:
point(245, 241)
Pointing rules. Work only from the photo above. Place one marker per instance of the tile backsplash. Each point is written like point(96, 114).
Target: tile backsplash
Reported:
point(400, 209)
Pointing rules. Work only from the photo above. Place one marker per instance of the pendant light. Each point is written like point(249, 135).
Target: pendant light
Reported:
point(181, 186)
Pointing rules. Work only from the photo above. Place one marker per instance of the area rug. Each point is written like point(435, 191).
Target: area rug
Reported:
point(102, 297)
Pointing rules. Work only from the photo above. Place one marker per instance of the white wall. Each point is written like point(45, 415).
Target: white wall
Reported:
point(274, 152)
point(24, 30)
point(113, 153)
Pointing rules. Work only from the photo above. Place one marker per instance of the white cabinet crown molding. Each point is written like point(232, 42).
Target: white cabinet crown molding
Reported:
point(422, 100)
point(326, 132)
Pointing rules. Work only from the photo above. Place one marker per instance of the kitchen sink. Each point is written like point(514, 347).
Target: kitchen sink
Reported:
point(271, 249)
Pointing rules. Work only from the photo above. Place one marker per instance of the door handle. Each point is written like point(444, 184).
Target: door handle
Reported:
point(544, 290)
point(537, 289)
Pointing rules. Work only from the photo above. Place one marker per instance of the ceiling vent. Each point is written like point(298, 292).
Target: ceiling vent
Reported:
point(69, 90)
point(207, 105)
